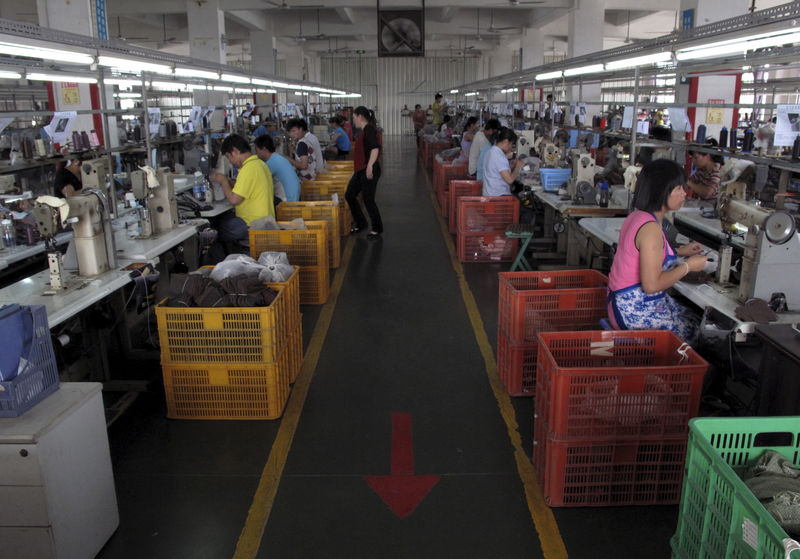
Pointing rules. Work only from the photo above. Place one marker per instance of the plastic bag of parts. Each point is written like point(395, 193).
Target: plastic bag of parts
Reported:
point(236, 265)
point(497, 249)
point(276, 266)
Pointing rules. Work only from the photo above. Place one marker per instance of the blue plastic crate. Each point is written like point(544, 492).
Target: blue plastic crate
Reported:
point(39, 379)
point(553, 179)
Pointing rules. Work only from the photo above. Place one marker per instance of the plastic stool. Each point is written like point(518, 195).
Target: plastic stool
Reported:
point(605, 324)
point(522, 231)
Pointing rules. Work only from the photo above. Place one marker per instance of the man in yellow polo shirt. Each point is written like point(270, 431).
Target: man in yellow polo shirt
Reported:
point(251, 195)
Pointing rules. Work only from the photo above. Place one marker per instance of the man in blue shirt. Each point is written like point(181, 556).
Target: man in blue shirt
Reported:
point(339, 138)
point(284, 177)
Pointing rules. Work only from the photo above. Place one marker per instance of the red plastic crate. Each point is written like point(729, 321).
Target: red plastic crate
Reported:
point(487, 213)
point(594, 473)
point(530, 302)
point(430, 149)
point(516, 365)
point(459, 188)
point(486, 246)
point(442, 196)
point(617, 384)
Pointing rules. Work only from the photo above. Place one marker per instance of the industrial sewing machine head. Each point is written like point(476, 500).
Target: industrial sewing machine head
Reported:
point(581, 188)
point(95, 173)
point(526, 140)
point(85, 212)
point(155, 193)
point(771, 260)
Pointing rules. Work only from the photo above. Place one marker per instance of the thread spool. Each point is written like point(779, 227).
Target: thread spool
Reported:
point(723, 137)
point(40, 149)
point(701, 134)
point(748, 141)
point(733, 138)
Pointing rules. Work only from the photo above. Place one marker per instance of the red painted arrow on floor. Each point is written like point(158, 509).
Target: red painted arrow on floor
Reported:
point(402, 491)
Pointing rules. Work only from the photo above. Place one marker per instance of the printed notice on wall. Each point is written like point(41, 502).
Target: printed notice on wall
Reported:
point(627, 117)
point(61, 125)
point(715, 115)
point(154, 114)
point(70, 93)
point(787, 125)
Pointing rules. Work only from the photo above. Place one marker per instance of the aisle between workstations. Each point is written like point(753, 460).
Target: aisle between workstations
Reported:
point(400, 388)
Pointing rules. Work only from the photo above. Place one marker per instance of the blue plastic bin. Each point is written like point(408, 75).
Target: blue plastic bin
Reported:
point(39, 379)
point(553, 179)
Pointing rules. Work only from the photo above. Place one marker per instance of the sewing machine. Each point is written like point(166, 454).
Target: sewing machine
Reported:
point(631, 175)
point(158, 207)
point(581, 188)
point(771, 260)
point(95, 173)
point(85, 212)
point(525, 142)
point(549, 153)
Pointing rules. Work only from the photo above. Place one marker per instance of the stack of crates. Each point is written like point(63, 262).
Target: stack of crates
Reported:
point(431, 149)
point(610, 416)
point(307, 248)
point(482, 222)
point(719, 515)
point(459, 188)
point(533, 302)
point(320, 191)
point(443, 173)
point(318, 211)
point(232, 362)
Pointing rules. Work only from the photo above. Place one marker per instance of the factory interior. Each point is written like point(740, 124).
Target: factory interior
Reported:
point(285, 279)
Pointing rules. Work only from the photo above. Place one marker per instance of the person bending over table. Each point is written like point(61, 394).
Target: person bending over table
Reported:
point(251, 195)
point(480, 145)
point(497, 174)
point(645, 265)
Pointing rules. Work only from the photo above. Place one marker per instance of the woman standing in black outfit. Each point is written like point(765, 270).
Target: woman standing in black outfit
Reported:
point(367, 172)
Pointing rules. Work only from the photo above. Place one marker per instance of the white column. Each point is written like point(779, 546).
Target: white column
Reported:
point(294, 62)
point(262, 51)
point(532, 45)
point(709, 11)
point(501, 60)
point(75, 16)
point(585, 35)
point(206, 28)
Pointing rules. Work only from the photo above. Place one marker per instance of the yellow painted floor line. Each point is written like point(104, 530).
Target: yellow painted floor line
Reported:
point(253, 531)
point(549, 536)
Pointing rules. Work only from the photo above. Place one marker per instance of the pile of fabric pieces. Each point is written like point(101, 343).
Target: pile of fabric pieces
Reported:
point(775, 481)
point(238, 281)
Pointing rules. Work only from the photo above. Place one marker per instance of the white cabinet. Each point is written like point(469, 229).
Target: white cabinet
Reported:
point(57, 498)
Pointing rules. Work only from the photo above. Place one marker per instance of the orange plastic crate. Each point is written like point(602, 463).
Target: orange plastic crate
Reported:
point(346, 164)
point(307, 248)
point(617, 384)
point(295, 353)
point(336, 176)
point(459, 188)
point(516, 365)
point(487, 213)
point(324, 190)
point(223, 334)
point(444, 171)
point(245, 391)
point(530, 302)
point(596, 472)
point(442, 197)
point(327, 211)
point(486, 246)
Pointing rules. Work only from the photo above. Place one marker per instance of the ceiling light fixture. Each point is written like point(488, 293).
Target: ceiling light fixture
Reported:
point(12, 49)
point(743, 44)
point(549, 75)
point(234, 78)
point(133, 66)
point(639, 61)
point(10, 75)
point(471, 94)
point(191, 73)
point(59, 78)
point(453, 91)
point(592, 69)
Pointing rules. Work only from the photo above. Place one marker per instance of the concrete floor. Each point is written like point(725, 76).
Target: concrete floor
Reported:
point(400, 340)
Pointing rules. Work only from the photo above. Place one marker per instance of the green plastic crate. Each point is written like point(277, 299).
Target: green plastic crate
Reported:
point(719, 517)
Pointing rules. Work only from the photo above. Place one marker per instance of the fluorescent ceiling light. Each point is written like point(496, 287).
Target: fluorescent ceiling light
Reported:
point(10, 75)
point(739, 45)
point(59, 55)
point(300, 93)
point(259, 81)
point(134, 66)
point(128, 95)
point(60, 78)
point(549, 75)
point(234, 78)
point(471, 94)
point(354, 95)
point(122, 83)
point(191, 73)
point(453, 91)
point(639, 61)
point(222, 88)
point(592, 69)
point(509, 90)
point(169, 86)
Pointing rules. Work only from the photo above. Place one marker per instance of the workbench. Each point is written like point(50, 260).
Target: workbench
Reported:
point(219, 208)
point(723, 299)
point(692, 218)
point(9, 256)
point(146, 250)
point(571, 241)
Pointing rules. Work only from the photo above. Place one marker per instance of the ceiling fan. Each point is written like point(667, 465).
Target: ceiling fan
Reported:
point(122, 38)
point(517, 3)
point(303, 38)
point(491, 30)
point(284, 5)
point(165, 41)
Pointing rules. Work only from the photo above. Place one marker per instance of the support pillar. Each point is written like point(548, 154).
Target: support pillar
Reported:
point(585, 35)
point(262, 51)
point(206, 31)
point(532, 48)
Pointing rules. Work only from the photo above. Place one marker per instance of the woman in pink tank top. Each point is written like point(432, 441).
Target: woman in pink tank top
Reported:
point(645, 266)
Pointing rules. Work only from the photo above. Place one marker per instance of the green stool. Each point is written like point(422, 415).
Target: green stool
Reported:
point(525, 232)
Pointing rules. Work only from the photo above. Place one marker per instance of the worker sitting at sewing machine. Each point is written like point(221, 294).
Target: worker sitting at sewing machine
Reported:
point(645, 265)
point(68, 179)
point(498, 176)
point(252, 194)
point(704, 182)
